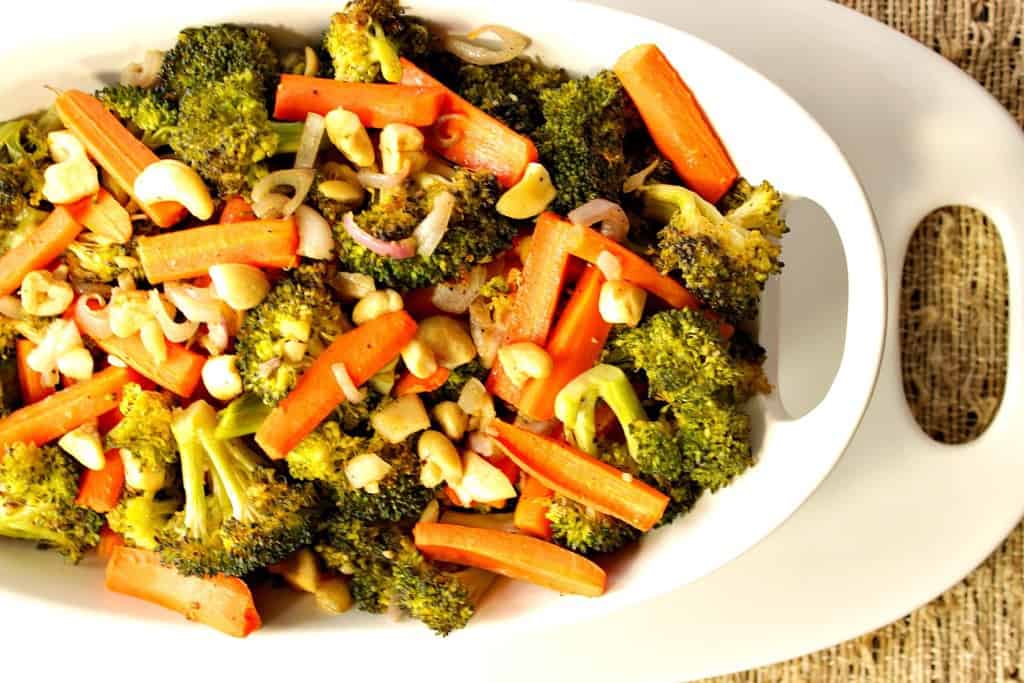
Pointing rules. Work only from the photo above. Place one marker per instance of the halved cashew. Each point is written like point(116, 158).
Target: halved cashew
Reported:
point(524, 360)
point(365, 471)
point(530, 196)
point(440, 459)
point(376, 304)
point(452, 419)
point(238, 285)
point(448, 339)
point(221, 377)
point(169, 180)
point(44, 295)
point(353, 286)
point(347, 133)
point(419, 359)
point(621, 303)
point(76, 363)
point(84, 445)
point(482, 482)
point(401, 146)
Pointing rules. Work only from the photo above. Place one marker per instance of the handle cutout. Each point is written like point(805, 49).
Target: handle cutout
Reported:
point(953, 324)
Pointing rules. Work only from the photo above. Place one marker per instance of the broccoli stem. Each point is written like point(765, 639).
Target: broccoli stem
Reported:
point(289, 133)
point(234, 481)
point(193, 467)
point(576, 405)
point(242, 416)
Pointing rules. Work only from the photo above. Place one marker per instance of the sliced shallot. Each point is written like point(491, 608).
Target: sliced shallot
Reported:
point(315, 238)
point(95, 322)
point(197, 304)
point(174, 332)
point(345, 383)
point(398, 249)
point(511, 45)
point(455, 297)
point(434, 225)
point(299, 179)
point(382, 181)
point(309, 143)
point(613, 220)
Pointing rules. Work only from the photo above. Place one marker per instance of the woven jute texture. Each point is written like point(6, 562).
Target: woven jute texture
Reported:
point(953, 340)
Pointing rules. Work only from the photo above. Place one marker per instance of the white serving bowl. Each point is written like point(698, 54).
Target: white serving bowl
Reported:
point(769, 136)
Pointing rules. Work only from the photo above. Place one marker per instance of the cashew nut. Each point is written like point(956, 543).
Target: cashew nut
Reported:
point(347, 133)
point(169, 180)
point(401, 146)
point(530, 196)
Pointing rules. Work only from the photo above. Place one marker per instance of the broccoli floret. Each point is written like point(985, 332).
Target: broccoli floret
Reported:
point(139, 518)
point(724, 263)
point(322, 457)
point(146, 112)
point(452, 388)
point(23, 156)
point(145, 439)
point(252, 518)
point(225, 133)
point(38, 487)
point(754, 208)
point(476, 232)
point(509, 92)
point(365, 40)
point(334, 207)
point(387, 570)
point(749, 357)
point(209, 54)
point(281, 336)
point(581, 140)
point(93, 261)
point(354, 418)
point(586, 531)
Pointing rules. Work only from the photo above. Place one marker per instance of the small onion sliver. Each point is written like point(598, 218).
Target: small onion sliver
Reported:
point(637, 180)
point(217, 337)
point(315, 238)
point(299, 179)
point(382, 181)
point(95, 322)
point(399, 249)
point(197, 304)
point(173, 332)
point(345, 383)
point(512, 44)
point(434, 225)
point(480, 442)
point(309, 143)
point(609, 265)
point(455, 297)
point(613, 220)
point(271, 206)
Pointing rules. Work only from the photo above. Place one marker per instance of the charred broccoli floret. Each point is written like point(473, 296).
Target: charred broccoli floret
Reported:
point(281, 336)
point(144, 436)
point(581, 140)
point(365, 39)
point(755, 208)
point(476, 232)
point(251, 517)
point(94, 261)
point(387, 570)
point(586, 531)
point(209, 54)
point(725, 263)
point(23, 155)
point(323, 456)
point(145, 110)
point(38, 487)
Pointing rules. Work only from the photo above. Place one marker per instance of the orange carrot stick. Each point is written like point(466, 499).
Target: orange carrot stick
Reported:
point(513, 555)
point(575, 346)
point(480, 141)
point(411, 384)
point(364, 352)
point(223, 602)
point(531, 514)
point(588, 244)
point(237, 210)
point(100, 490)
point(113, 146)
point(190, 253)
point(533, 306)
point(676, 122)
point(30, 381)
point(110, 541)
point(376, 104)
point(581, 477)
point(45, 243)
point(59, 413)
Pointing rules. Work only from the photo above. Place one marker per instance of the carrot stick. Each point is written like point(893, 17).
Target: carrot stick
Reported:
point(585, 479)
point(110, 541)
point(48, 241)
point(588, 244)
point(481, 141)
point(513, 555)
point(376, 104)
point(31, 382)
point(113, 146)
point(676, 122)
point(531, 514)
point(59, 413)
point(575, 346)
point(100, 490)
point(223, 602)
point(364, 351)
point(190, 253)
point(237, 210)
point(533, 306)
point(411, 384)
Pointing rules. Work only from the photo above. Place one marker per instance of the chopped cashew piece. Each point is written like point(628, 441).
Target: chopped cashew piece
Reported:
point(621, 303)
point(76, 363)
point(221, 377)
point(400, 419)
point(300, 570)
point(353, 286)
point(482, 482)
point(169, 180)
point(364, 471)
point(452, 419)
point(238, 285)
point(530, 196)
point(332, 595)
point(524, 360)
point(44, 295)
point(347, 133)
point(85, 445)
point(449, 339)
point(401, 149)
point(375, 304)
point(436, 448)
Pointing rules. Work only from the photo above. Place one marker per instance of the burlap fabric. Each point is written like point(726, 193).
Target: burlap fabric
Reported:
point(954, 280)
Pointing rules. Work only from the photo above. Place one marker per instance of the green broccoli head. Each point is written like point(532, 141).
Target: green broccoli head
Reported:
point(476, 232)
point(387, 570)
point(365, 39)
point(586, 531)
point(144, 110)
point(581, 140)
point(250, 518)
point(322, 457)
point(225, 133)
point(38, 487)
point(725, 264)
point(24, 154)
point(139, 518)
point(281, 336)
point(713, 437)
point(205, 55)
point(755, 208)
point(145, 439)
point(99, 262)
